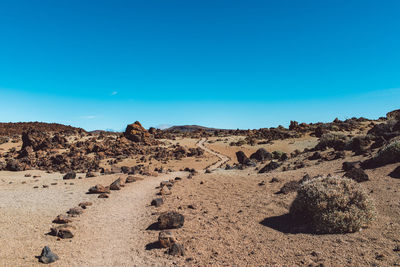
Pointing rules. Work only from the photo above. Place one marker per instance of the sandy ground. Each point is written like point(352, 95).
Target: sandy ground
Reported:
point(239, 223)
point(109, 233)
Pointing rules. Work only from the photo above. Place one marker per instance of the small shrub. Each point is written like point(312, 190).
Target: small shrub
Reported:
point(333, 205)
point(389, 154)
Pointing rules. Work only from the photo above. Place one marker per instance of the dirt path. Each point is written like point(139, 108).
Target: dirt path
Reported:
point(222, 158)
point(113, 233)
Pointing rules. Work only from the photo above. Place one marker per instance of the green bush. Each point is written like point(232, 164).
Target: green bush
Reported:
point(333, 205)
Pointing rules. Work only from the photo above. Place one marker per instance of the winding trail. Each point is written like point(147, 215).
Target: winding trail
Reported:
point(222, 158)
point(112, 232)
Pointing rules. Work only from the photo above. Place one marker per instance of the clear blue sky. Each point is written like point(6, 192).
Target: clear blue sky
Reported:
point(228, 64)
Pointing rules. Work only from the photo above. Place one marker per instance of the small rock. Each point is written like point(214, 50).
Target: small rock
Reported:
point(274, 180)
point(84, 205)
point(157, 202)
point(98, 189)
point(116, 185)
point(63, 231)
point(75, 211)
point(61, 219)
point(176, 250)
point(165, 191)
point(170, 220)
point(69, 175)
point(166, 239)
point(261, 183)
point(47, 256)
point(103, 195)
point(45, 186)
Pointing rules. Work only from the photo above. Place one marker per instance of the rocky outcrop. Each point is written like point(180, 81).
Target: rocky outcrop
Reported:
point(136, 133)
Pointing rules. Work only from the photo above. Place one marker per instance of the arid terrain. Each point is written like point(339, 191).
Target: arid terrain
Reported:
point(230, 192)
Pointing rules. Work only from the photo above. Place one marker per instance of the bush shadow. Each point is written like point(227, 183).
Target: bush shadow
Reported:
point(286, 224)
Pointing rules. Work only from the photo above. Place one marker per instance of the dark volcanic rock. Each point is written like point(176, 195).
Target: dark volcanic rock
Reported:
point(269, 167)
point(357, 174)
point(170, 220)
point(14, 165)
point(157, 202)
point(98, 189)
point(241, 157)
point(69, 175)
point(346, 166)
point(176, 250)
point(47, 256)
point(117, 184)
point(261, 154)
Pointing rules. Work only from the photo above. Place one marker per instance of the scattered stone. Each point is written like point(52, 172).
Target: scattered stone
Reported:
point(69, 175)
point(131, 179)
point(103, 195)
point(90, 174)
point(62, 219)
point(357, 174)
point(208, 171)
point(269, 167)
point(178, 178)
point(45, 186)
point(274, 180)
point(86, 204)
point(53, 184)
point(98, 189)
point(75, 211)
point(261, 183)
point(28, 175)
point(192, 206)
point(47, 256)
point(166, 239)
point(347, 166)
point(290, 187)
point(63, 231)
point(176, 250)
point(170, 220)
point(116, 185)
point(157, 202)
point(165, 191)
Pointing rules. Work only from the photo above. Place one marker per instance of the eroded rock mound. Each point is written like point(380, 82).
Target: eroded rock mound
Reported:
point(136, 133)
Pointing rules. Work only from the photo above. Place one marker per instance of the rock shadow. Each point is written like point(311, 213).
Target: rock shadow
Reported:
point(153, 227)
point(153, 245)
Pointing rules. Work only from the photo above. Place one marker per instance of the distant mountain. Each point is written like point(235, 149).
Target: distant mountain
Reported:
point(189, 128)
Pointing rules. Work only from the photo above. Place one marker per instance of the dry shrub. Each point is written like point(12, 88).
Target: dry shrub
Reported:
point(333, 205)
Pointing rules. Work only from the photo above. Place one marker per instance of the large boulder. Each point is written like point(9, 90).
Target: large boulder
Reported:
point(261, 154)
point(136, 133)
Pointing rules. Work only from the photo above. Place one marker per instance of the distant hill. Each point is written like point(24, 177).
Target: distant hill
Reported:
point(11, 128)
point(189, 128)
